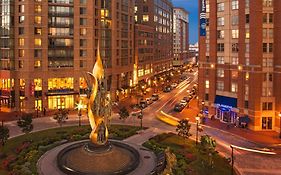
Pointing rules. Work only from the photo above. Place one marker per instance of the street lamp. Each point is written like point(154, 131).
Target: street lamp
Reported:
point(197, 125)
point(79, 107)
point(279, 124)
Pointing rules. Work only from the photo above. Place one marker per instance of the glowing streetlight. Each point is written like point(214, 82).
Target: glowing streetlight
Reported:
point(79, 107)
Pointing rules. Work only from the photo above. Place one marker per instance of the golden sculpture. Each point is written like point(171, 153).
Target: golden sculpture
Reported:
point(96, 105)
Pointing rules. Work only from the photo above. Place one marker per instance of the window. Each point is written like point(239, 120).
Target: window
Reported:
point(220, 73)
point(83, 31)
point(264, 18)
point(21, 8)
point(37, 19)
point(246, 89)
point(234, 60)
point(235, 20)
point(246, 105)
point(20, 63)
point(21, 41)
point(220, 21)
point(220, 34)
point(247, 45)
point(37, 31)
point(83, 21)
point(247, 3)
point(234, 74)
point(37, 64)
point(247, 18)
point(220, 47)
point(83, 53)
point(267, 106)
point(220, 7)
point(220, 60)
point(37, 8)
point(235, 47)
point(270, 47)
point(145, 18)
point(234, 87)
point(247, 33)
point(207, 84)
point(270, 18)
point(235, 4)
point(264, 47)
point(247, 76)
point(21, 19)
point(220, 85)
point(82, 11)
point(267, 3)
point(21, 30)
point(37, 42)
point(83, 42)
point(235, 33)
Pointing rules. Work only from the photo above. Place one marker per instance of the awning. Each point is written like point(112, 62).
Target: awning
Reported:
point(226, 101)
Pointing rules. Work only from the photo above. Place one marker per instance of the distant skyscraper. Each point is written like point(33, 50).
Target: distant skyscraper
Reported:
point(47, 46)
point(240, 61)
point(180, 36)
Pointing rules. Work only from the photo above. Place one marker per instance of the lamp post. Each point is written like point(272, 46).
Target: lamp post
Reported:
point(279, 124)
point(79, 108)
point(232, 160)
point(197, 125)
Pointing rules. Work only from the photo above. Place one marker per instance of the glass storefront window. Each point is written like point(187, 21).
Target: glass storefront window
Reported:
point(83, 83)
point(61, 102)
point(60, 83)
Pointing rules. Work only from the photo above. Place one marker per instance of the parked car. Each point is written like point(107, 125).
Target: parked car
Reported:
point(178, 107)
point(149, 101)
point(186, 99)
point(155, 97)
point(167, 89)
point(183, 102)
point(143, 103)
point(174, 85)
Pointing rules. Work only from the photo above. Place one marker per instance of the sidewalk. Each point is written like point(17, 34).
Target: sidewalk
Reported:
point(269, 138)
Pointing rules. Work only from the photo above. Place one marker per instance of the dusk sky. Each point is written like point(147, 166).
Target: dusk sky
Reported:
point(192, 7)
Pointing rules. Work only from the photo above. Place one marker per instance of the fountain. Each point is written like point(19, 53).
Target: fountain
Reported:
point(98, 155)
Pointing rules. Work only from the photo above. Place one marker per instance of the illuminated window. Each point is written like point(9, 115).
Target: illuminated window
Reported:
point(37, 63)
point(235, 33)
point(83, 31)
point(234, 87)
point(247, 33)
point(246, 89)
point(21, 53)
point(21, 8)
point(220, 85)
point(37, 19)
point(37, 42)
point(60, 83)
point(220, 73)
point(234, 74)
point(235, 4)
point(38, 84)
point(145, 18)
point(21, 41)
point(38, 8)
point(207, 84)
point(83, 83)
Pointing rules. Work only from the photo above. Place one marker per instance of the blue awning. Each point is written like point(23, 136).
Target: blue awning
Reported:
point(226, 101)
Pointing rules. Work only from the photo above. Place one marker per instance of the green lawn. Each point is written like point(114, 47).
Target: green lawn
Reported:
point(25, 156)
point(190, 159)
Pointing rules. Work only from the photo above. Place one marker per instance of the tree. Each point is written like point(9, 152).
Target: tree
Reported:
point(183, 128)
point(4, 134)
point(25, 123)
point(208, 143)
point(61, 116)
point(123, 113)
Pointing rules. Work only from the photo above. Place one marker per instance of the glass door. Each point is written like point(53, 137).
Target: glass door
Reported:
point(266, 123)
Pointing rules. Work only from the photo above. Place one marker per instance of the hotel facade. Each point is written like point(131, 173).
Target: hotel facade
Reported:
point(47, 46)
point(240, 61)
point(180, 36)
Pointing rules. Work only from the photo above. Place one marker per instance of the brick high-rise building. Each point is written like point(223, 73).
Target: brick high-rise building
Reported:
point(240, 61)
point(159, 16)
point(47, 46)
point(180, 36)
